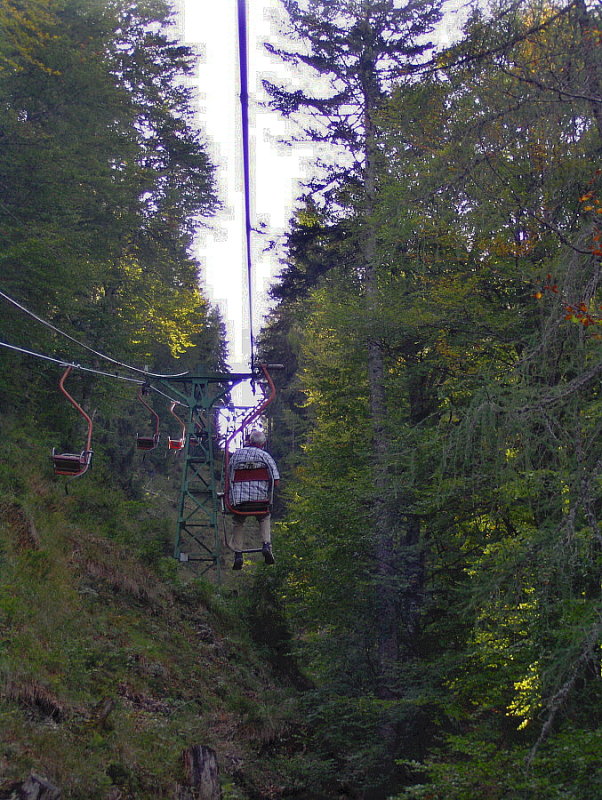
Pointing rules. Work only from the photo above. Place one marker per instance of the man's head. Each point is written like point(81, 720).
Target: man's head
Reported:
point(257, 438)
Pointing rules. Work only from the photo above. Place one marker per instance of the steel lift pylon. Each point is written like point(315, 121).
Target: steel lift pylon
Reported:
point(197, 534)
point(199, 508)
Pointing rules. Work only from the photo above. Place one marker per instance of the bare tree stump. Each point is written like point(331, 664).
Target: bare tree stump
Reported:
point(202, 775)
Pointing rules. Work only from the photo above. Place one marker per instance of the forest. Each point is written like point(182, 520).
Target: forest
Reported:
point(432, 628)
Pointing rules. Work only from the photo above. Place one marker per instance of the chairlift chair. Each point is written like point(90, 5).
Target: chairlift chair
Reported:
point(177, 444)
point(199, 435)
point(254, 506)
point(259, 474)
point(250, 508)
point(148, 442)
point(73, 465)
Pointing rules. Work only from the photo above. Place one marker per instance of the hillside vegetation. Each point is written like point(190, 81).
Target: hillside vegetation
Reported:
point(439, 311)
point(111, 665)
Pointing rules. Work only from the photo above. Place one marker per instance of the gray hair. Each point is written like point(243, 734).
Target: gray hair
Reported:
point(257, 438)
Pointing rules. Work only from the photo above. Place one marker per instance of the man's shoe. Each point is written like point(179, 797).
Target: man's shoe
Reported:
point(237, 561)
point(268, 556)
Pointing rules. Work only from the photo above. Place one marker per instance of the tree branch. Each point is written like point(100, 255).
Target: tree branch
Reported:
point(556, 703)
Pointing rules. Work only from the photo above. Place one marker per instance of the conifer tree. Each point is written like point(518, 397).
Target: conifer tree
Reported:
point(359, 49)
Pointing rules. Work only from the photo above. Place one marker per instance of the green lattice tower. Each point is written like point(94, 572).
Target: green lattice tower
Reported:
point(198, 536)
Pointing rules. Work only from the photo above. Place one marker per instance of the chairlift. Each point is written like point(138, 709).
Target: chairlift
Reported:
point(148, 442)
point(177, 444)
point(73, 465)
point(260, 474)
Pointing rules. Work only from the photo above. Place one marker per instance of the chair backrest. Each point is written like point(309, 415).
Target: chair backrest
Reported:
point(255, 474)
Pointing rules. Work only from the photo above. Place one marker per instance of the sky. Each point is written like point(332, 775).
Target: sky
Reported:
point(277, 171)
point(210, 27)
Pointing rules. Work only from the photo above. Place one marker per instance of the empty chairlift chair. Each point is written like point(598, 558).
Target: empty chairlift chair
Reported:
point(148, 442)
point(73, 465)
point(177, 444)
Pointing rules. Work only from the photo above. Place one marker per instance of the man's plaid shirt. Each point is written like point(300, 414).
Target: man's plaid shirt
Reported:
point(252, 459)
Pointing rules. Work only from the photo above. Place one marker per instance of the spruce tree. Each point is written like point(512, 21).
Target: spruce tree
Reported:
point(359, 50)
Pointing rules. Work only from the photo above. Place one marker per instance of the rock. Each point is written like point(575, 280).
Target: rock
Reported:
point(33, 788)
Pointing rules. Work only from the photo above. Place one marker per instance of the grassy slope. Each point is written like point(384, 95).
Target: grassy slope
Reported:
point(111, 664)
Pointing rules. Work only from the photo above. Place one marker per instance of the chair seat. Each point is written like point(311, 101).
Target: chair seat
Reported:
point(146, 442)
point(71, 463)
point(258, 506)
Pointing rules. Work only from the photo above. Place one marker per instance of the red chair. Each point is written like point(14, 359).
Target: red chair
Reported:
point(73, 465)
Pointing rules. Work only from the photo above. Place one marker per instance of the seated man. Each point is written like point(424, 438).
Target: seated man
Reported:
point(252, 477)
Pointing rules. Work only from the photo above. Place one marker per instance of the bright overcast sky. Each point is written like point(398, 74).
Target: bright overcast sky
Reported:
point(210, 26)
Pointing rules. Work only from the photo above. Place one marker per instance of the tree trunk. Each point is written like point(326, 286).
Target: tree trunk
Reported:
point(388, 621)
point(202, 775)
point(397, 545)
point(592, 58)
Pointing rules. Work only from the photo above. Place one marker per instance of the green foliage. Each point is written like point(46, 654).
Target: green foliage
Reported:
point(455, 251)
point(105, 181)
point(489, 464)
point(483, 768)
point(24, 28)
